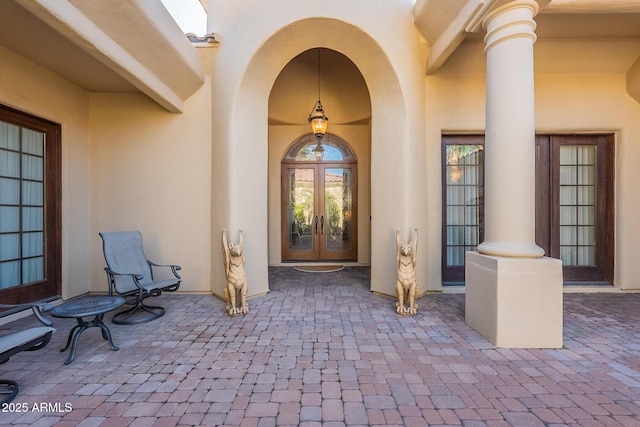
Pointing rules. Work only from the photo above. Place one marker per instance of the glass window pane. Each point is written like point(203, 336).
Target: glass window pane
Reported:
point(586, 175)
point(586, 235)
point(568, 155)
point(32, 142)
point(455, 195)
point(586, 255)
point(32, 269)
point(9, 219)
point(568, 175)
point(568, 215)
point(568, 235)
point(333, 149)
point(32, 219)
point(32, 193)
point(32, 244)
point(9, 164)
point(586, 154)
point(586, 195)
point(32, 168)
point(9, 136)
point(568, 255)
point(9, 274)
point(586, 215)
point(9, 191)
point(568, 195)
point(9, 247)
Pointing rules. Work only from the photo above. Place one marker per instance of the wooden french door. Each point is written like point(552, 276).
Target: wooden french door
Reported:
point(319, 211)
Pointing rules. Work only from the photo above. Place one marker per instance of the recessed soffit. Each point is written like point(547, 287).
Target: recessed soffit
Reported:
point(445, 24)
point(105, 46)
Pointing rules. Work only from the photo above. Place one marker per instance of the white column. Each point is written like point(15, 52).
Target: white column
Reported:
point(510, 132)
point(513, 293)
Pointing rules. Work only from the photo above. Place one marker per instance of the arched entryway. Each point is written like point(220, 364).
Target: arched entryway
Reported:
point(319, 201)
point(250, 139)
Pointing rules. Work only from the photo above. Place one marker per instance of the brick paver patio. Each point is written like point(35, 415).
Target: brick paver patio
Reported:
point(322, 350)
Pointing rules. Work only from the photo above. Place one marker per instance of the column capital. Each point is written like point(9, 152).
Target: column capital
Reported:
point(512, 20)
point(492, 7)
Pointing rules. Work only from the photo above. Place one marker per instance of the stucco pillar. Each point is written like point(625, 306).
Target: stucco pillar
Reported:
point(513, 293)
point(509, 202)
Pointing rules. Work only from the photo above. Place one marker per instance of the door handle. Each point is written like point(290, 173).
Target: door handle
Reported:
point(322, 224)
point(316, 224)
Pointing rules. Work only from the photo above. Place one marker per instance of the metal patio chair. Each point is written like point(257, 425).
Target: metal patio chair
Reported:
point(30, 339)
point(131, 275)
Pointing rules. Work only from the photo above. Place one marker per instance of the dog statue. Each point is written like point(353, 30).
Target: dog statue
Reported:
point(406, 286)
point(235, 293)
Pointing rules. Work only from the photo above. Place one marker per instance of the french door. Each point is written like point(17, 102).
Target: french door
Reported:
point(574, 203)
point(318, 212)
point(30, 207)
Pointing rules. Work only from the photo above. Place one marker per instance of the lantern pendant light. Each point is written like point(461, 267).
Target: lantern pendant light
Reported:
point(318, 120)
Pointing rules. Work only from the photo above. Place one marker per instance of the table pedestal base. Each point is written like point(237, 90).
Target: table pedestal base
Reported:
point(74, 335)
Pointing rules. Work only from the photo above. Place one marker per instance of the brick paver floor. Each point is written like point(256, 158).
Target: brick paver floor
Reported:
point(322, 350)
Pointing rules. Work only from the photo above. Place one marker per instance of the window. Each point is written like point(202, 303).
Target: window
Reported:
point(574, 203)
point(462, 200)
point(30, 165)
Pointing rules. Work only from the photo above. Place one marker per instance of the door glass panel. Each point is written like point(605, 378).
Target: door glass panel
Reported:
point(22, 204)
point(464, 187)
point(300, 209)
point(577, 204)
point(338, 209)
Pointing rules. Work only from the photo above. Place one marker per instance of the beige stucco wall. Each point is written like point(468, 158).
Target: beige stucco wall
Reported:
point(151, 171)
point(34, 90)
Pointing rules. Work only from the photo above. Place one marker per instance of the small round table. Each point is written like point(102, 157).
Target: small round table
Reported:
point(86, 307)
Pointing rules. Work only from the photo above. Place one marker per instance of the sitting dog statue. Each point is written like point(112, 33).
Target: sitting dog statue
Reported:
point(235, 293)
point(406, 286)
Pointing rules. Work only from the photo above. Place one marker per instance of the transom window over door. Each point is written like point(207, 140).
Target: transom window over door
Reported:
point(30, 165)
point(319, 209)
point(574, 203)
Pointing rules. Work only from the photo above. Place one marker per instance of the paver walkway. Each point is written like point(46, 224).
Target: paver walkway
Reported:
point(322, 350)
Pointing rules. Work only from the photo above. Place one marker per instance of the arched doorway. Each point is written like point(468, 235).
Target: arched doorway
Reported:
point(319, 201)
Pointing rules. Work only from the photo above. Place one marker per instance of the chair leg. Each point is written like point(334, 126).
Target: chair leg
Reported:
point(139, 313)
point(8, 388)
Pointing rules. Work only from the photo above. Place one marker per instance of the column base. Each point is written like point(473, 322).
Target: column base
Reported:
point(515, 302)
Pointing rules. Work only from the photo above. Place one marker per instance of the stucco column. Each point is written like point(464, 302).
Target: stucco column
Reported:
point(510, 132)
point(513, 293)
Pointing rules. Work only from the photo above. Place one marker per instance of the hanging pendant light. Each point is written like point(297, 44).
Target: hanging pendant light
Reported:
point(318, 120)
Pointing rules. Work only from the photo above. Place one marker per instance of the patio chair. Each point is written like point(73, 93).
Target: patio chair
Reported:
point(131, 275)
point(29, 339)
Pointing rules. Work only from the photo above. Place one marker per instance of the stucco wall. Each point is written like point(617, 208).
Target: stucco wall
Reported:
point(34, 90)
point(151, 171)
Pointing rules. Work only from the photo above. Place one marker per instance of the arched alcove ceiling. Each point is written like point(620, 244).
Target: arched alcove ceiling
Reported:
point(359, 47)
point(344, 93)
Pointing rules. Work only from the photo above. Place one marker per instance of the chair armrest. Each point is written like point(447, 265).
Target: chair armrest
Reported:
point(174, 268)
point(135, 276)
point(177, 267)
point(37, 307)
